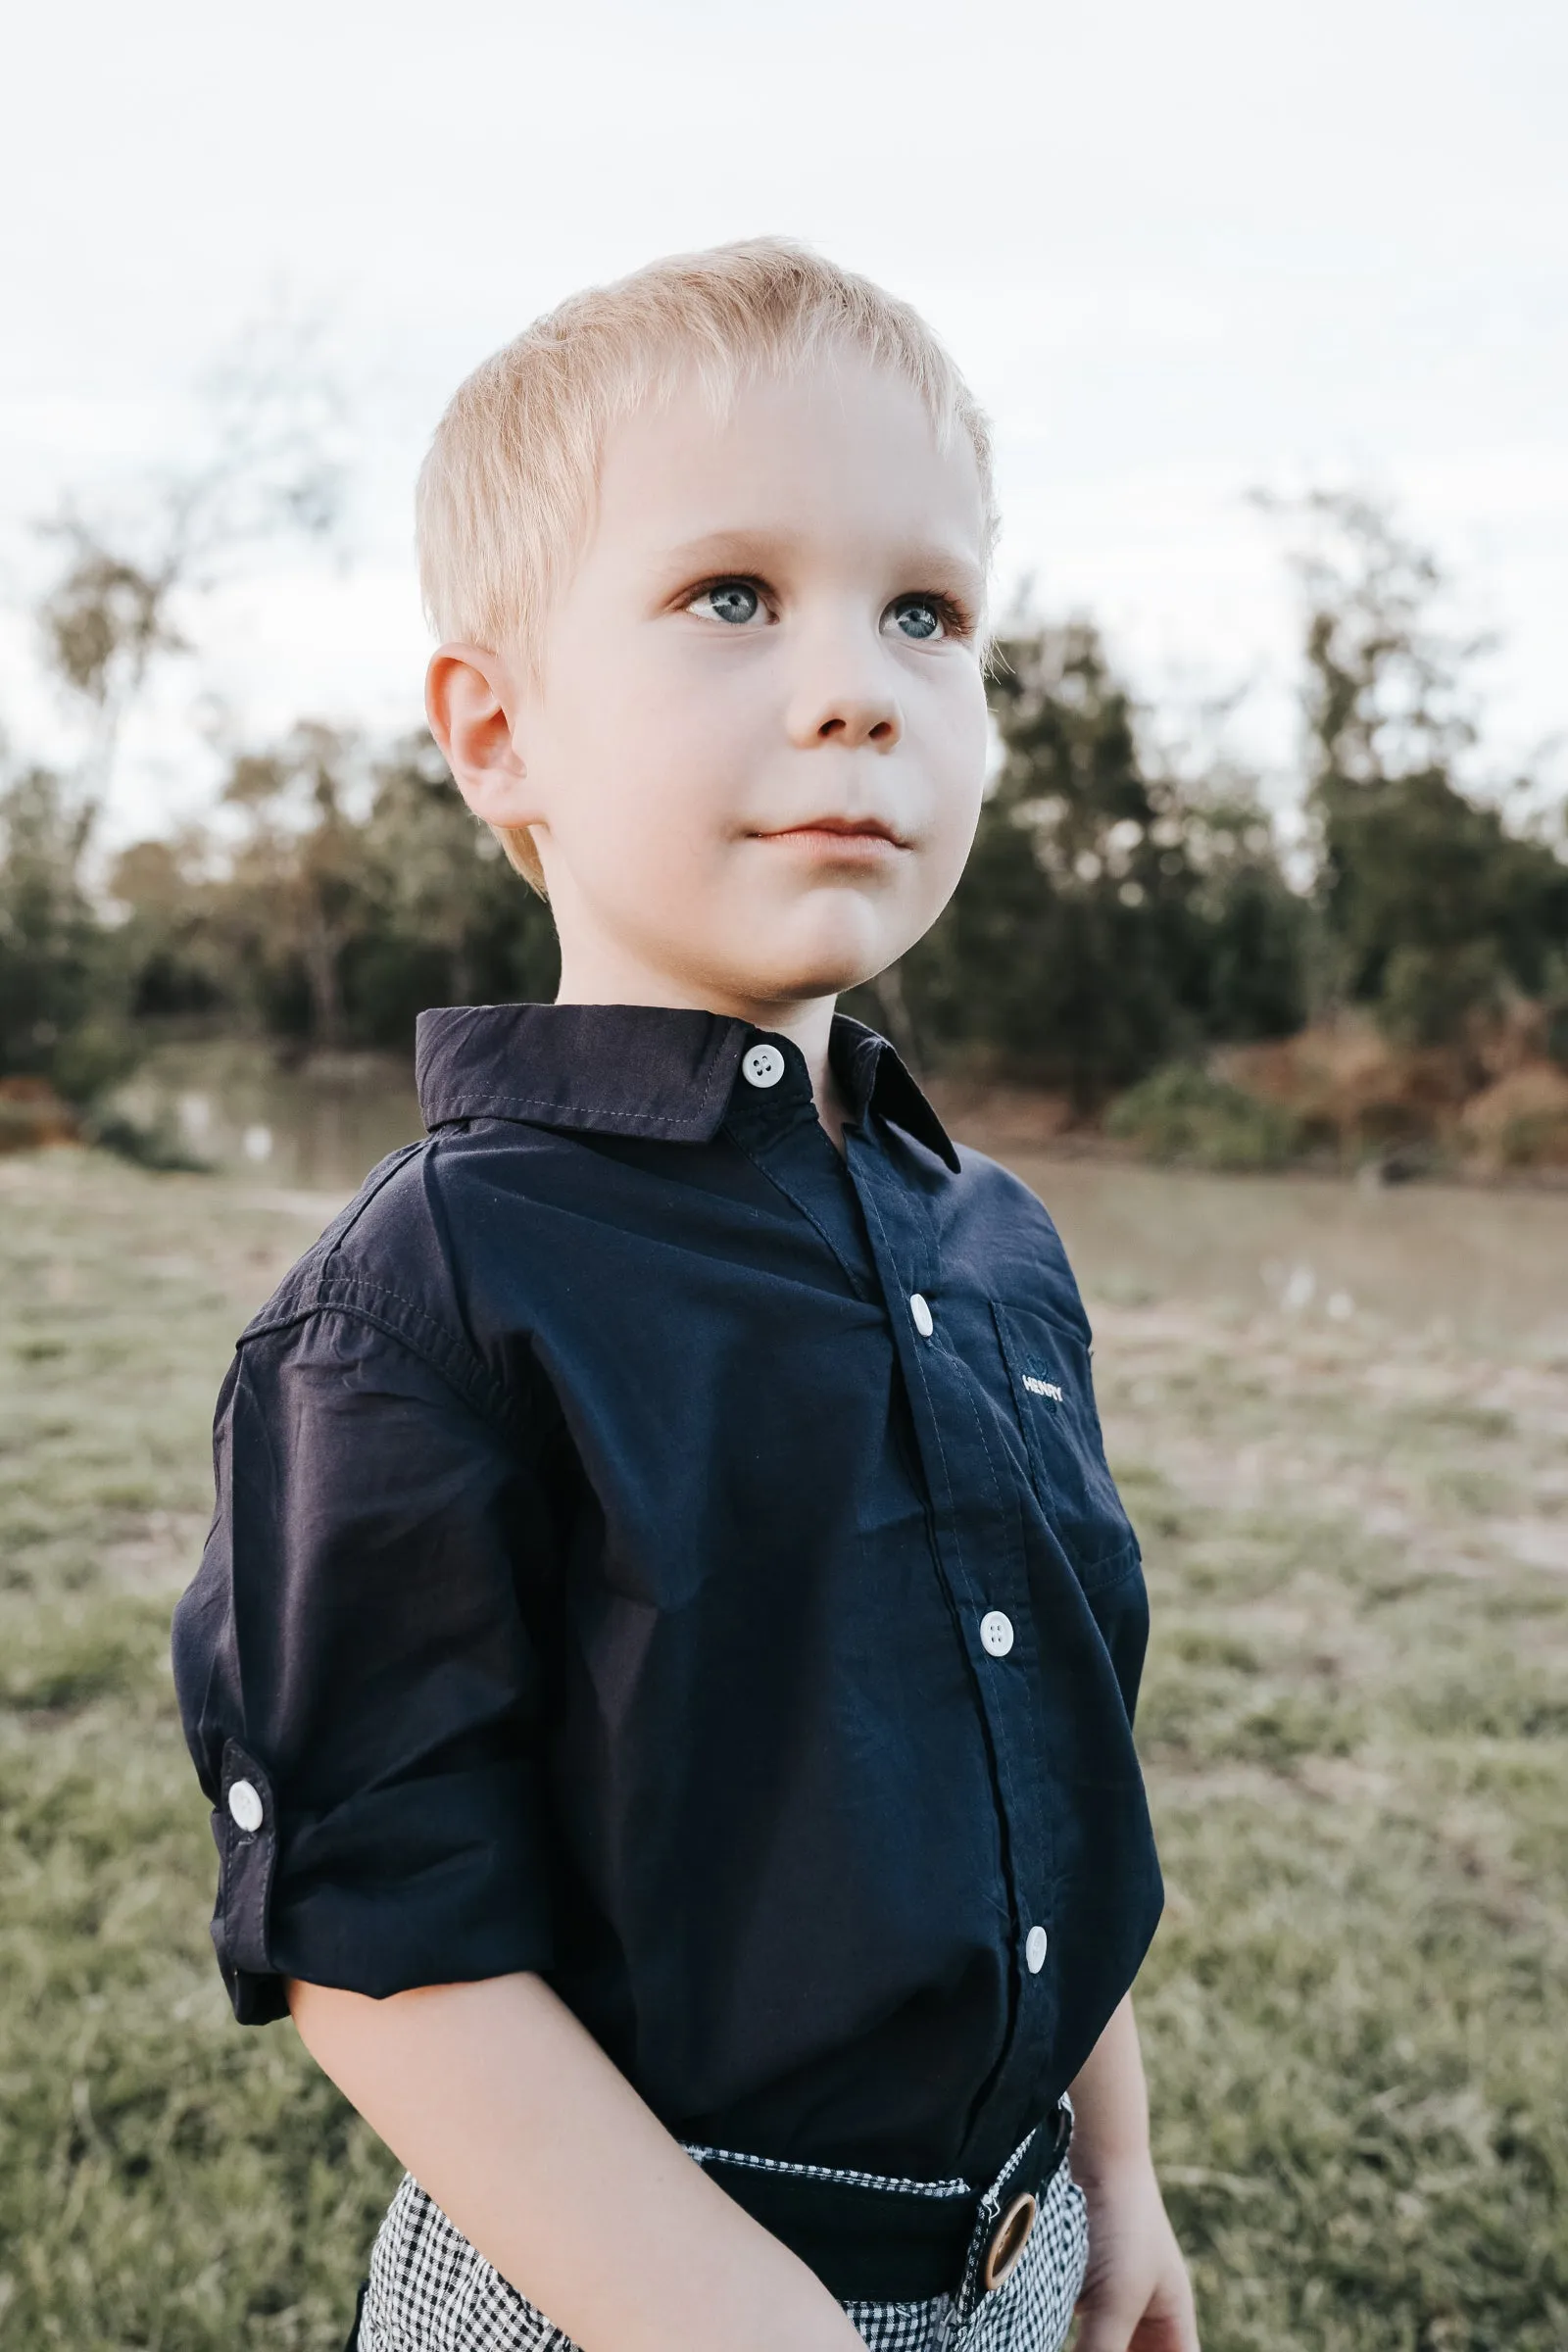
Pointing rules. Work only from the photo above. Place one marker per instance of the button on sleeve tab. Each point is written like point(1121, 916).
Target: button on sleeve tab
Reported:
point(245, 1827)
point(245, 1806)
point(920, 1316)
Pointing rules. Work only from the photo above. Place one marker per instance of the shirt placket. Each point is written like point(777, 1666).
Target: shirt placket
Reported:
point(979, 1554)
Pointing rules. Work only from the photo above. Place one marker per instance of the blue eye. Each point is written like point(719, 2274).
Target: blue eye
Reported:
point(917, 616)
point(734, 601)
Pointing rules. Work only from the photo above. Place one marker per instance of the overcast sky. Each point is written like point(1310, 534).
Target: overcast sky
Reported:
point(1180, 251)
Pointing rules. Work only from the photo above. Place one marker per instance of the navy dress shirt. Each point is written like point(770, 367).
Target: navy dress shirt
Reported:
point(655, 1551)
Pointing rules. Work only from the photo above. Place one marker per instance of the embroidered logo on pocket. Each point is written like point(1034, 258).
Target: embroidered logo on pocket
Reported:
point(1043, 1387)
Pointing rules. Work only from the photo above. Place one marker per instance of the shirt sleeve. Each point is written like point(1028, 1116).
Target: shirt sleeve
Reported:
point(358, 1670)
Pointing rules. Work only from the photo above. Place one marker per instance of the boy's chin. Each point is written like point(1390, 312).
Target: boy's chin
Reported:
point(823, 958)
point(799, 980)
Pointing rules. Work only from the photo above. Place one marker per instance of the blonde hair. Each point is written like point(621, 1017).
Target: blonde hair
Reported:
point(506, 493)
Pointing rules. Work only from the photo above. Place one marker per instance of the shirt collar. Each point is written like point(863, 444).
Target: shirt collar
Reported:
point(635, 1069)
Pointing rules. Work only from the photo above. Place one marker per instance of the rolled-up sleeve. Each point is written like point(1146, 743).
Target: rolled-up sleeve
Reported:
point(358, 1671)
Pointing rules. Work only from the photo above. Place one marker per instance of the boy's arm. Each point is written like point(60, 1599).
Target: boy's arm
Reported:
point(1136, 2297)
point(508, 2112)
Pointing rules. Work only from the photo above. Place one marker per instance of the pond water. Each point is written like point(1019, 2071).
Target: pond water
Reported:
point(1464, 1263)
point(1487, 1268)
point(315, 1126)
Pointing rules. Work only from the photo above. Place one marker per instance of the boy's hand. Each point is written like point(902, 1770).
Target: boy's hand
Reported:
point(1135, 2296)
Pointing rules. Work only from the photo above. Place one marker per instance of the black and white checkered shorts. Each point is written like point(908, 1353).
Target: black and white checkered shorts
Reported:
point(430, 2290)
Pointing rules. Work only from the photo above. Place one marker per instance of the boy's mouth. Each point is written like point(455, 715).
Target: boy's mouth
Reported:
point(844, 835)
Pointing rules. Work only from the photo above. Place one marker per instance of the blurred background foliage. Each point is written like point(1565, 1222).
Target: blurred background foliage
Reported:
point(1132, 929)
point(1113, 913)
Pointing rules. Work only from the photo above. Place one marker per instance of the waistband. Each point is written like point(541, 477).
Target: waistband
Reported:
point(871, 2242)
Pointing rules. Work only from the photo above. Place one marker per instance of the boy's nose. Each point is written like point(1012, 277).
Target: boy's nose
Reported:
point(847, 719)
point(851, 712)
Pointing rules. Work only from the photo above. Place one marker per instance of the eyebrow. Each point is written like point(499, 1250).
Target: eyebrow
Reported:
point(743, 549)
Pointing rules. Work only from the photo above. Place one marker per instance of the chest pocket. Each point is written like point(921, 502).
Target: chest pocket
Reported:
point(1054, 1398)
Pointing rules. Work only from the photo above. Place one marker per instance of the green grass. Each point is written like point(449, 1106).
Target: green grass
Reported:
point(165, 2178)
point(1355, 1726)
point(1355, 1729)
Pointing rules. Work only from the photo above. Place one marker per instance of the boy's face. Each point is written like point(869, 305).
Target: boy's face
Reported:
point(753, 750)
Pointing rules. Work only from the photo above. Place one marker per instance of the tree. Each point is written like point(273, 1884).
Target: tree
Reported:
point(176, 954)
point(351, 890)
point(61, 987)
point(104, 622)
point(295, 897)
point(121, 603)
point(455, 923)
point(264, 466)
point(1436, 907)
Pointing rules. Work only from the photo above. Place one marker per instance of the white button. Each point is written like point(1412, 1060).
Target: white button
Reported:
point(245, 1806)
point(996, 1633)
point(1036, 1945)
point(922, 1316)
point(764, 1065)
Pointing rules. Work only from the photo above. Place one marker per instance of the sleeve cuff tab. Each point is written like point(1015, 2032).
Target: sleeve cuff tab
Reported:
point(245, 1831)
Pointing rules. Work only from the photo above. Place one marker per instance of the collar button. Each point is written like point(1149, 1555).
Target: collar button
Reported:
point(762, 1065)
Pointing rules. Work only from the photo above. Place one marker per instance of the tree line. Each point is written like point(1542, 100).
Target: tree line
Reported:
point(1119, 912)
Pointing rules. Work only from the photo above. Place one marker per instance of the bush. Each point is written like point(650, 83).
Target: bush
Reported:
point(1181, 1116)
point(62, 994)
point(156, 1145)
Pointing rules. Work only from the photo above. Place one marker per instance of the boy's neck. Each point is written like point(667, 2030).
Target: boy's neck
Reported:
point(807, 1022)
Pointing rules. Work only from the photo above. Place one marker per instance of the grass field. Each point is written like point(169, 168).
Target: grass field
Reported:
point(1356, 1727)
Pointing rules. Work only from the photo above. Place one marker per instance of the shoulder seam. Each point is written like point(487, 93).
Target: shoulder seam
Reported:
point(359, 1207)
point(401, 1319)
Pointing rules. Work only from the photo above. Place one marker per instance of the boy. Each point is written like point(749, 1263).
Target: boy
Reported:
point(665, 1657)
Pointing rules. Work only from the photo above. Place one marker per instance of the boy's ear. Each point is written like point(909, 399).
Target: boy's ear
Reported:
point(468, 697)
